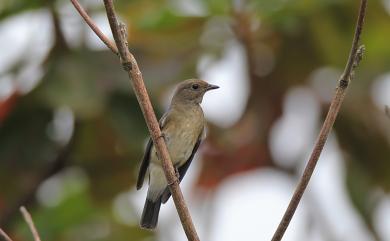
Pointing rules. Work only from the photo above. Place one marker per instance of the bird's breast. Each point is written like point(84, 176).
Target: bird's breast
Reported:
point(181, 134)
point(181, 141)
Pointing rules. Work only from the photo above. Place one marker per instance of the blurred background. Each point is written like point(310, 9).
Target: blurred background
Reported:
point(72, 133)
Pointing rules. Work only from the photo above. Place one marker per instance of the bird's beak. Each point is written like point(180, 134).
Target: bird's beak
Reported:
point(212, 87)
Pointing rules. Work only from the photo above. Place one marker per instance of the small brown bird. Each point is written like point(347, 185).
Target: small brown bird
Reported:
point(183, 129)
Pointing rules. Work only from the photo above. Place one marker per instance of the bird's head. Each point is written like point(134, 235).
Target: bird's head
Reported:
point(192, 91)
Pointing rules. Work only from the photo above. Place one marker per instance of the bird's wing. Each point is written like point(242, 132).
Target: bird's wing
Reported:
point(183, 168)
point(146, 159)
point(144, 165)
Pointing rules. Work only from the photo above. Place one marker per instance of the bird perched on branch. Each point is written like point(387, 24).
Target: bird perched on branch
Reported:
point(182, 127)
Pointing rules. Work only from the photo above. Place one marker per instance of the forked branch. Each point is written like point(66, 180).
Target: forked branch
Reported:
point(94, 27)
point(130, 65)
point(354, 58)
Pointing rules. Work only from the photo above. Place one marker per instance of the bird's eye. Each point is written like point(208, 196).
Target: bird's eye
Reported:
point(195, 86)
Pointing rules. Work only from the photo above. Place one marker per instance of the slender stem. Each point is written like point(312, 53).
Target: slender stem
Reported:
point(353, 60)
point(30, 222)
point(4, 235)
point(94, 27)
point(130, 65)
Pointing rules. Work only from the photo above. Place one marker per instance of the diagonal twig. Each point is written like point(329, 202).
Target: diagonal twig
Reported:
point(354, 58)
point(27, 217)
point(94, 27)
point(130, 65)
point(4, 235)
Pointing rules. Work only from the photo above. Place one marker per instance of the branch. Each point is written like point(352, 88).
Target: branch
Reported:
point(4, 235)
point(30, 222)
point(387, 111)
point(131, 67)
point(94, 27)
point(355, 56)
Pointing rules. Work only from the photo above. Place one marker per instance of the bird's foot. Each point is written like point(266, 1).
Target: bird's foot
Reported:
point(177, 177)
point(162, 136)
point(177, 173)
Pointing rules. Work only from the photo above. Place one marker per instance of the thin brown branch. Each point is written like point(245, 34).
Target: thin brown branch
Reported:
point(131, 67)
point(4, 235)
point(387, 111)
point(94, 27)
point(353, 60)
point(27, 217)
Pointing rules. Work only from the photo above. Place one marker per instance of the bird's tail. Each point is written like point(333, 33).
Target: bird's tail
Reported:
point(150, 213)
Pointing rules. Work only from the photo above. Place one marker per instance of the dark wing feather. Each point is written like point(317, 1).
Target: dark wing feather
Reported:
point(144, 165)
point(146, 159)
point(182, 171)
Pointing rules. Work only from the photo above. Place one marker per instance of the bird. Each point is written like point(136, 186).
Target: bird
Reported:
point(183, 129)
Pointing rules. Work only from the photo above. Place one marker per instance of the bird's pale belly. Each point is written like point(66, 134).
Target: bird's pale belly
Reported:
point(180, 144)
point(180, 147)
